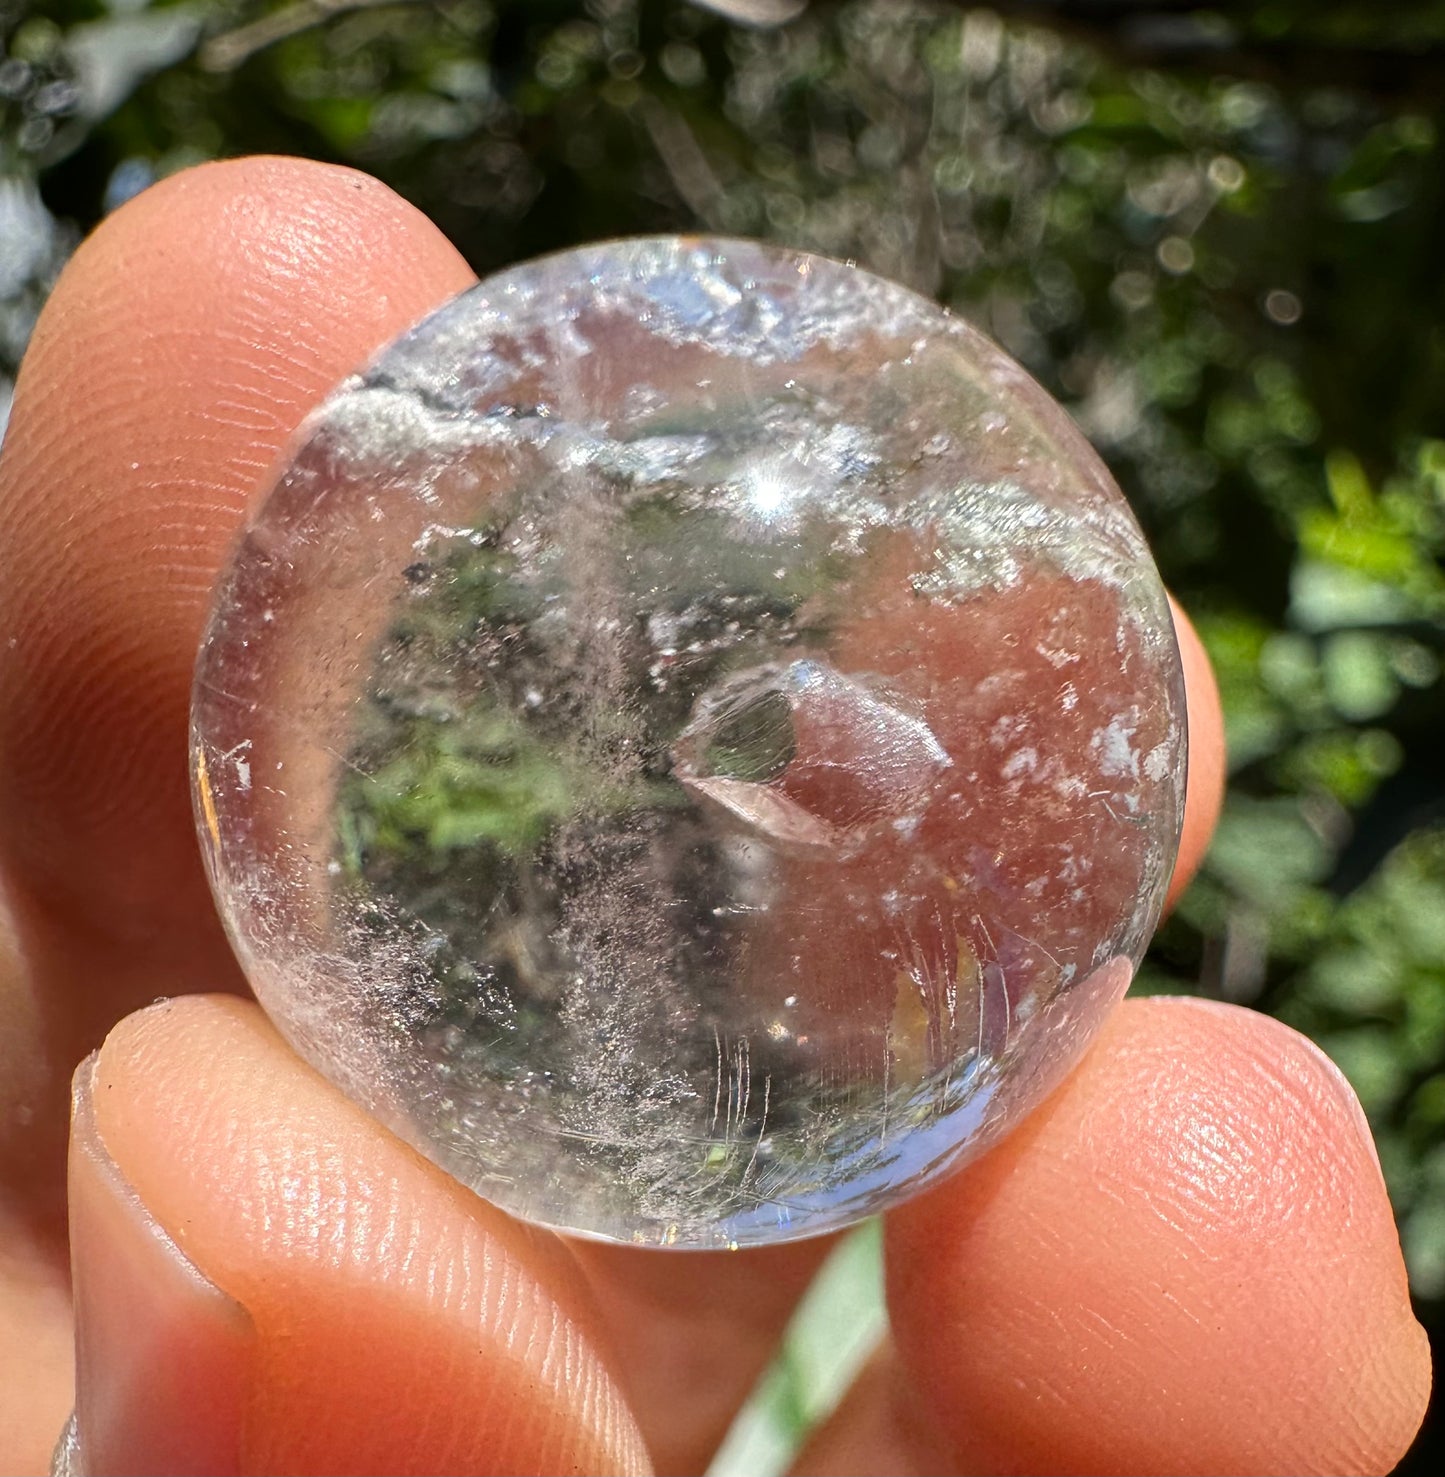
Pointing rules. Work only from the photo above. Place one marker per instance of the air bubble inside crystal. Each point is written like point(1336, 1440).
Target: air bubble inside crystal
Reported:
point(693, 742)
point(807, 755)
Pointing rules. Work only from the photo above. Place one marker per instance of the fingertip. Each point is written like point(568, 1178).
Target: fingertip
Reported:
point(373, 1283)
point(1204, 797)
point(226, 242)
point(163, 1357)
point(1185, 1262)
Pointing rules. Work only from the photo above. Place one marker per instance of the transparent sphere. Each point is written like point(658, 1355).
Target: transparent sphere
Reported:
point(693, 741)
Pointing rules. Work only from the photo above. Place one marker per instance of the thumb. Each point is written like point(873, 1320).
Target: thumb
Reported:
point(162, 1354)
point(267, 1281)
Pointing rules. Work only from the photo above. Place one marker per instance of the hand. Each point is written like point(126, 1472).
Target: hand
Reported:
point(1185, 1261)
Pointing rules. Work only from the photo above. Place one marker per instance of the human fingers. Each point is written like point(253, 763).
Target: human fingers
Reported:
point(180, 349)
point(1185, 1262)
point(266, 1280)
point(1204, 796)
point(182, 345)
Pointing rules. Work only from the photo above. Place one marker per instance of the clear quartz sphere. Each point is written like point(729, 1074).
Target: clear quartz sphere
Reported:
point(693, 741)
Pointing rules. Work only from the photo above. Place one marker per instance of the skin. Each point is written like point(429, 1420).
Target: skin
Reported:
point(1184, 1261)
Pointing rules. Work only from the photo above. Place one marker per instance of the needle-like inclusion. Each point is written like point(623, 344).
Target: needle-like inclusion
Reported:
point(693, 741)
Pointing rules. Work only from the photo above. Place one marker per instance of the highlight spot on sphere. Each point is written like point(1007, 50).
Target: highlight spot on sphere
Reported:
point(693, 741)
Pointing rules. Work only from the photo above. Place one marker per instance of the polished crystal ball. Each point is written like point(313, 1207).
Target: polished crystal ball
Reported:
point(693, 742)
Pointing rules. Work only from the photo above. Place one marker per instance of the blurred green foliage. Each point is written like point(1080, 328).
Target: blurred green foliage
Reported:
point(1217, 236)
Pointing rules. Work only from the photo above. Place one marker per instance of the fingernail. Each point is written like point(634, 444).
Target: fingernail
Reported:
point(65, 1459)
point(162, 1355)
